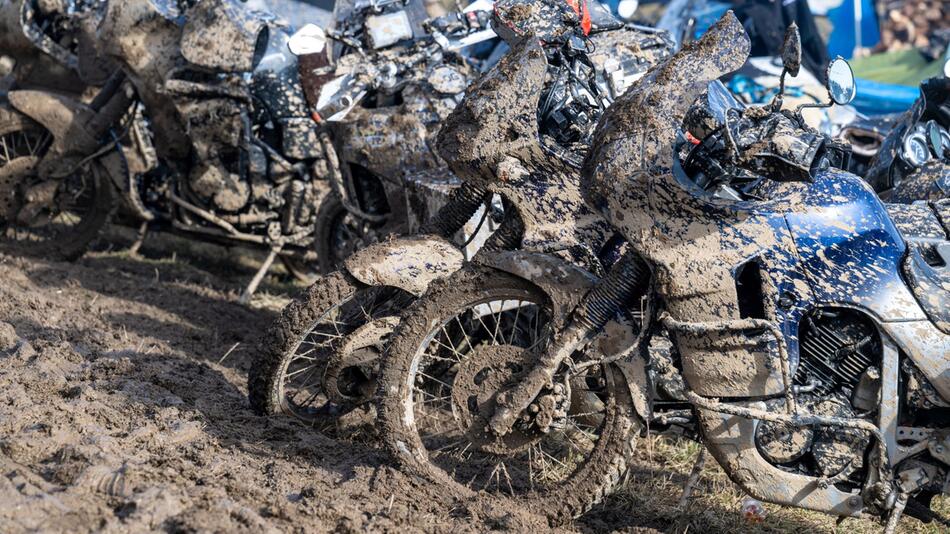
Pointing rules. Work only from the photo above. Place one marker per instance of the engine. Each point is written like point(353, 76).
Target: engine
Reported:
point(837, 376)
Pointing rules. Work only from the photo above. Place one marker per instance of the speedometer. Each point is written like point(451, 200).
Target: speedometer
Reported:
point(916, 152)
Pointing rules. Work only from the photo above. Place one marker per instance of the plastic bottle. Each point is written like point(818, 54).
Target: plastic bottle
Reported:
point(753, 511)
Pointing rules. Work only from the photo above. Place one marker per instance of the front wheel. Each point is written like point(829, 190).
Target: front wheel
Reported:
point(468, 339)
point(50, 218)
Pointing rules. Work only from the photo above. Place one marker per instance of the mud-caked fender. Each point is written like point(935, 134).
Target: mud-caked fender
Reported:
point(409, 263)
point(64, 118)
point(59, 114)
point(8, 114)
point(563, 282)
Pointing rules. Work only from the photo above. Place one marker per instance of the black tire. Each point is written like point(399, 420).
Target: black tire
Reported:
point(97, 196)
point(583, 487)
point(341, 233)
point(337, 296)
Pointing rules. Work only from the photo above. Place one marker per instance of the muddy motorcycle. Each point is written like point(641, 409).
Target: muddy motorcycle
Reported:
point(52, 51)
point(203, 129)
point(379, 82)
point(808, 334)
point(320, 358)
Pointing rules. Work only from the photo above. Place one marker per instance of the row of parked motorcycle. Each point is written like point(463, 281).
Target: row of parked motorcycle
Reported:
point(597, 239)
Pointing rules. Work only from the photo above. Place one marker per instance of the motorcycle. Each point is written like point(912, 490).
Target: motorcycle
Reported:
point(379, 82)
point(52, 51)
point(808, 335)
point(551, 95)
point(245, 171)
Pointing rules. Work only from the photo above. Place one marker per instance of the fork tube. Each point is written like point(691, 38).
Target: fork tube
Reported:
point(463, 203)
point(599, 306)
point(110, 105)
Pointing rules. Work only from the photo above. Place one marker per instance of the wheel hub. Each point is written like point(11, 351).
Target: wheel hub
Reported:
point(351, 372)
point(487, 371)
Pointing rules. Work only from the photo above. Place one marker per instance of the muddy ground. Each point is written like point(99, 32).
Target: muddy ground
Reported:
point(123, 409)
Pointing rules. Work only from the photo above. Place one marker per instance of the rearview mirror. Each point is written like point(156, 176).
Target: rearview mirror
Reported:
point(311, 39)
point(841, 86)
point(792, 50)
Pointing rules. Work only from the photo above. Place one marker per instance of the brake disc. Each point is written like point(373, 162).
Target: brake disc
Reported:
point(487, 371)
point(12, 175)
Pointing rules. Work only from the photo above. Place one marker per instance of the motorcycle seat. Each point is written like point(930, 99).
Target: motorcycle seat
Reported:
point(926, 228)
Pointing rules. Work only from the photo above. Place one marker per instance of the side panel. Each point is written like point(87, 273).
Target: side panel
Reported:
point(851, 251)
point(928, 348)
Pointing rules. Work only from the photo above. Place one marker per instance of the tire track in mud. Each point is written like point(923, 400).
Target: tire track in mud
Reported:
point(118, 415)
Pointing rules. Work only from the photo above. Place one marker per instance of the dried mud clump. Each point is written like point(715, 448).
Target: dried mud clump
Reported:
point(8, 337)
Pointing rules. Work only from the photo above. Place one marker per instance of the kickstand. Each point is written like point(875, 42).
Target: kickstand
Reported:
point(895, 516)
point(139, 239)
point(256, 281)
point(692, 480)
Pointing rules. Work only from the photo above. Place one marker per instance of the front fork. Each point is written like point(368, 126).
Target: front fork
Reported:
point(600, 305)
point(79, 141)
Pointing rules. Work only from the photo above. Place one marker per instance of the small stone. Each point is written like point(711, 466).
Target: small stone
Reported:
point(8, 337)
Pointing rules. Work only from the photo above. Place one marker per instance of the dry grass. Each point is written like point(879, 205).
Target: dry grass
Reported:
point(655, 483)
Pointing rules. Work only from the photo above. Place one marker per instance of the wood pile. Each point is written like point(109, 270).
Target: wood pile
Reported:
point(921, 24)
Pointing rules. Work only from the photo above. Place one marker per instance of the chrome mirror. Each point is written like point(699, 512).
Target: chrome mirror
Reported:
point(841, 86)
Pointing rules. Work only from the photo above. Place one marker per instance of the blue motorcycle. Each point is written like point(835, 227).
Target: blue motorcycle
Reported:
point(768, 300)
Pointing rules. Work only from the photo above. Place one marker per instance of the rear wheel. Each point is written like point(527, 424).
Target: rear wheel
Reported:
point(341, 233)
point(320, 359)
point(55, 218)
point(453, 352)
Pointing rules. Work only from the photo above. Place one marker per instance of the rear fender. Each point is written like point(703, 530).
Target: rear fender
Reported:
point(409, 263)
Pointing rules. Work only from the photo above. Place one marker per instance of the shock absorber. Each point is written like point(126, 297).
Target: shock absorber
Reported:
point(462, 205)
point(508, 236)
point(614, 292)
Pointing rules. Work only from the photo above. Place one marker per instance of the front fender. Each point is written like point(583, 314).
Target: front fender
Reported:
point(60, 114)
point(9, 114)
point(64, 118)
point(409, 263)
point(563, 282)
